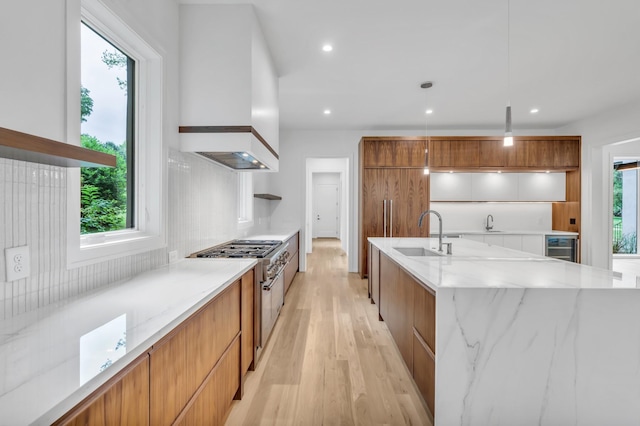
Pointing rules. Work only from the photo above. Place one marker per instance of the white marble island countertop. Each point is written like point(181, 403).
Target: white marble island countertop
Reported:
point(477, 265)
point(523, 339)
point(54, 357)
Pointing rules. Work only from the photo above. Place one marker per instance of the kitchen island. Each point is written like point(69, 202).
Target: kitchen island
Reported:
point(497, 336)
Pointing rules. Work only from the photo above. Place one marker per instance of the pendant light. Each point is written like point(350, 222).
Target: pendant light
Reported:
point(426, 85)
point(508, 134)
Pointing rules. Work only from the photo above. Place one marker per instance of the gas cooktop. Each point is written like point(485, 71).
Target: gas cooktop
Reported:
point(241, 249)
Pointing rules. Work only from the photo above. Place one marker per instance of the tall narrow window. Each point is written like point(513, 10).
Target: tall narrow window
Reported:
point(107, 124)
point(245, 198)
point(625, 206)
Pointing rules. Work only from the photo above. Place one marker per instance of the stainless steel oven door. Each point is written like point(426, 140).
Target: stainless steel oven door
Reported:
point(272, 301)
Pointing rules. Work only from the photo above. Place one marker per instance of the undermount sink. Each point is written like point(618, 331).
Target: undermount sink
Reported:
point(417, 251)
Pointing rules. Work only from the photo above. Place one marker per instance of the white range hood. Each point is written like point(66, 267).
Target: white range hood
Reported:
point(228, 88)
point(240, 148)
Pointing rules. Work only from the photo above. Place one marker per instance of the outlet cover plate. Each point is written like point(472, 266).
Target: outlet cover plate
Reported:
point(17, 263)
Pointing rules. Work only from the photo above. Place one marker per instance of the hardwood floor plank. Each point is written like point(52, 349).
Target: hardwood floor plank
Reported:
point(329, 360)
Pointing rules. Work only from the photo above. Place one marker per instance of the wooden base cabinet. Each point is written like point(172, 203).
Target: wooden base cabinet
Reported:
point(123, 402)
point(409, 309)
point(181, 362)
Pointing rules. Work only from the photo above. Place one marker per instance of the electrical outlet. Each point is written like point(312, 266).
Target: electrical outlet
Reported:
point(17, 263)
point(173, 256)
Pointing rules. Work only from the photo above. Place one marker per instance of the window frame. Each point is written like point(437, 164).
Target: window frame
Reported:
point(245, 200)
point(149, 232)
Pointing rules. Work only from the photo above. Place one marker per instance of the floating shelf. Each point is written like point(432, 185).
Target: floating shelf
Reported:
point(268, 196)
point(34, 149)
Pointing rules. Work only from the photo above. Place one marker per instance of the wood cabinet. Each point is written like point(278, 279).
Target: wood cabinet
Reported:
point(181, 362)
point(211, 405)
point(394, 152)
point(481, 153)
point(392, 194)
point(292, 266)
point(396, 306)
point(124, 400)
point(247, 320)
point(374, 274)
point(409, 309)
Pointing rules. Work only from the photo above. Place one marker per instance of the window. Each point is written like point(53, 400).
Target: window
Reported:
point(626, 187)
point(245, 199)
point(129, 199)
point(107, 105)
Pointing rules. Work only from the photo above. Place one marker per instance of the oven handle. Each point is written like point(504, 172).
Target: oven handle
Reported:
point(270, 284)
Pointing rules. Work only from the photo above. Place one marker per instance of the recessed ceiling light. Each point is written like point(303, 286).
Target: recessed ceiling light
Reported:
point(429, 111)
point(327, 48)
point(327, 111)
point(534, 110)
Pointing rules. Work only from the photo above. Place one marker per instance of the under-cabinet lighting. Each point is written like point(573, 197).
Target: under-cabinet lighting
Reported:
point(426, 170)
point(450, 171)
point(547, 171)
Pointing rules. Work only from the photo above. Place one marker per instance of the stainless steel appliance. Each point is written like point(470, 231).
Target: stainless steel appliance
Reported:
point(564, 247)
point(273, 255)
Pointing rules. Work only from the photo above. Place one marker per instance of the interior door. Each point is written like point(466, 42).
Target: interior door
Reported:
point(326, 211)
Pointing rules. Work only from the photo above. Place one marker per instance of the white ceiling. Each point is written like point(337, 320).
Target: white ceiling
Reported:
point(570, 58)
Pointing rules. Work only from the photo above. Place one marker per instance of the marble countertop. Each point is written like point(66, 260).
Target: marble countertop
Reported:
point(506, 232)
point(478, 265)
point(52, 358)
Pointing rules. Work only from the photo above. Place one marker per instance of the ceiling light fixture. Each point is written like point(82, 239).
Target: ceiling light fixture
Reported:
point(534, 110)
point(508, 134)
point(429, 111)
point(327, 48)
point(426, 85)
point(327, 111)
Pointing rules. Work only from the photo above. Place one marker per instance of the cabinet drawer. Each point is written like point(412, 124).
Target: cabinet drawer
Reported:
point(424, 317)
point(424, 371)
point(290, 271)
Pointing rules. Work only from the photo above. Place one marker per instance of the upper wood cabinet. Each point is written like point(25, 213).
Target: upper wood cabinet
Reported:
point(393, 152)
point(482, 153)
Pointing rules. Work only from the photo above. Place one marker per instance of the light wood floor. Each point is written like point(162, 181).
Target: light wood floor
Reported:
point(329, 360)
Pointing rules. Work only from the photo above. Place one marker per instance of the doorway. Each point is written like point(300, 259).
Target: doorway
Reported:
point(338, 167)
point(625, 224)
point(326, 205)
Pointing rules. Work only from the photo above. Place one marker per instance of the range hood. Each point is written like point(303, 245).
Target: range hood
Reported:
point(239, 148)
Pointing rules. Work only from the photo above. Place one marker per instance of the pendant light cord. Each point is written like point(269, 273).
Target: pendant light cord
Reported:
point(509, 52)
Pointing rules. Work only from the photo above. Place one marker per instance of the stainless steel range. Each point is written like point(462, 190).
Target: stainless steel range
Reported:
point(273, 257)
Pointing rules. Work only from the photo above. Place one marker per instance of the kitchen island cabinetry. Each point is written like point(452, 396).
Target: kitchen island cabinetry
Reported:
point(124, 400)
point(408, 308)
point(495, 329)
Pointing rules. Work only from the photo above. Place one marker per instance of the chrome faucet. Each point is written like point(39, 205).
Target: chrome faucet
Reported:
point(489, 227)
point(439, 227)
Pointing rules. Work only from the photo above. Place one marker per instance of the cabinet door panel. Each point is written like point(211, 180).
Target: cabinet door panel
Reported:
point(566, 153)
point(450, 186)
point(533, 244)
point(493, 153)
point(374, 277)
point(440, 154)
point(494, 240)
point(372, 210)
point(513, 242)
point(465, 153)
point(410, 198)
point(424, 315)
point(424, 373)
point(541, 186)
point(394, 153)
point(126, 402)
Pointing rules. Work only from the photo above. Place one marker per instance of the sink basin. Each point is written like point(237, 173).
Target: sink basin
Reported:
point(417, 251)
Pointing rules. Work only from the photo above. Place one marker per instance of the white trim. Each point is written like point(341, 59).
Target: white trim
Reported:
point(150, 231)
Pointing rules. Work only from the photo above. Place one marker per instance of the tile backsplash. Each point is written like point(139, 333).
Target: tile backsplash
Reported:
point(201, 212)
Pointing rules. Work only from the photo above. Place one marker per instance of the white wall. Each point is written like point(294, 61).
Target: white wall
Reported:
point(609, 129)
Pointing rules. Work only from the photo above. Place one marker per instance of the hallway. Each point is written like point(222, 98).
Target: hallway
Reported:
point(329, 359)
